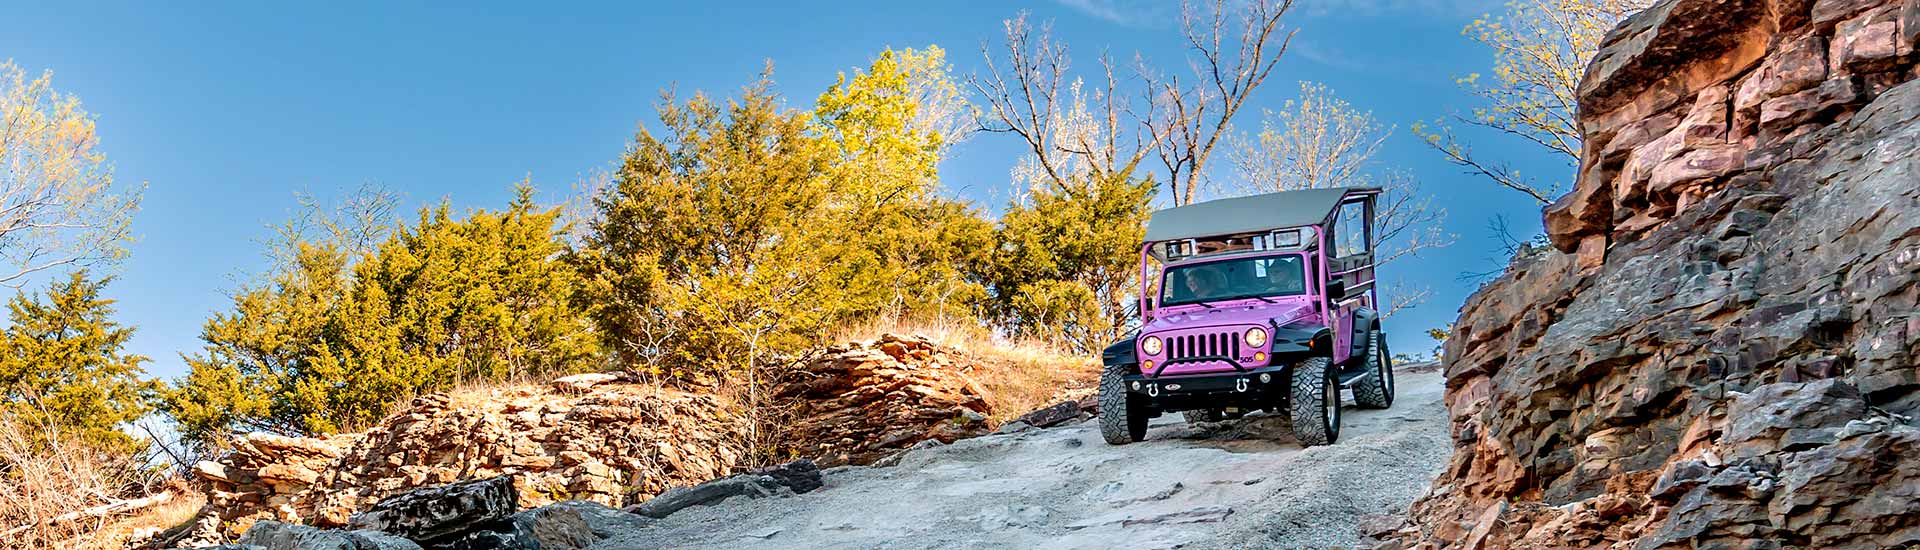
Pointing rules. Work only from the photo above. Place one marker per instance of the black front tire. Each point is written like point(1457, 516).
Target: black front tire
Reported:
point(1374, 390)
point(1121, 419)
point(1314, 399)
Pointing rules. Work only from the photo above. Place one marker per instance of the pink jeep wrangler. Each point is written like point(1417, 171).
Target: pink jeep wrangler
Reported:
point(1264, 302)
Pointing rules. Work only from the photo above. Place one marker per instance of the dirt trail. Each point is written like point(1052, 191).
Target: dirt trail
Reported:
point(1238, 484)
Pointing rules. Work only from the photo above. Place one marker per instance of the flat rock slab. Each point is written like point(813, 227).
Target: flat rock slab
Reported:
point(681, 498)
point(792, 478)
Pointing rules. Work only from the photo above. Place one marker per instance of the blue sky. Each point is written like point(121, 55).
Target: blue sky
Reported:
point(226, 109)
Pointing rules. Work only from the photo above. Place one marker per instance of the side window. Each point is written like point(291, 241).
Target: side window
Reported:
point(1350, 229)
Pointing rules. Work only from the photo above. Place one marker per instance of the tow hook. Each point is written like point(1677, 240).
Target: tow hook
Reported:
point(1240, 385)
point(1153, 390)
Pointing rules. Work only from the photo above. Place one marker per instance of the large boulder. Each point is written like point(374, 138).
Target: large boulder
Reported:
point(800, 476)
point(571, 525)
point(440, 512)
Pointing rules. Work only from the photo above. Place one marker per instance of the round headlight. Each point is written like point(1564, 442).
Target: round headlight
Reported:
point(1256, 337)
point(1151, 345)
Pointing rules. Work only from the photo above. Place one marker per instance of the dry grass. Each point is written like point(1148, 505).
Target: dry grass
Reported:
point(1018, 375)
point(133, 529)
point(463, 393)
point(58, 493)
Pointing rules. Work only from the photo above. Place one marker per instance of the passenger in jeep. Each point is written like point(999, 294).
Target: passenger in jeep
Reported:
point(1203, 283)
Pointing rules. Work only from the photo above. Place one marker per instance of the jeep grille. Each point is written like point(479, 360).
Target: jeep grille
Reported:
point(1203, 345)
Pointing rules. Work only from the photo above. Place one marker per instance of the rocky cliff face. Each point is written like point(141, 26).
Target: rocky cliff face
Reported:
point(1722, 353)
point(596, 437)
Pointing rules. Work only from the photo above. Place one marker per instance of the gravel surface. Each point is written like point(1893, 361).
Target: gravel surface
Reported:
point(1234, 484)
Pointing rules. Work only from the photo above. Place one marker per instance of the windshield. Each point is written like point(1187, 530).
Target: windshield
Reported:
point(1234, 279)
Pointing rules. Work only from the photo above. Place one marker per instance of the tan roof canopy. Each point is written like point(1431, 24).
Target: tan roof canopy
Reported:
point(1249, 214)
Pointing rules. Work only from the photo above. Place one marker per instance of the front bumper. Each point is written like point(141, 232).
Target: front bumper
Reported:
point(1248, 382)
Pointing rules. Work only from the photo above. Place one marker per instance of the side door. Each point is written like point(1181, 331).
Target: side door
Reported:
point(1351, 265)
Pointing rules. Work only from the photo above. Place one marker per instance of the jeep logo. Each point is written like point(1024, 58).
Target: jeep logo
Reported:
point(1173, 387)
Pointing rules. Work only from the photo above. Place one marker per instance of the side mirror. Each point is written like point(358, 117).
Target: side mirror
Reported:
point(1336, 289)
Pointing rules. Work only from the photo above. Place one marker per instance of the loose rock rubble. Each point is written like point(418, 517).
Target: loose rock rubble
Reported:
point(1722, 351)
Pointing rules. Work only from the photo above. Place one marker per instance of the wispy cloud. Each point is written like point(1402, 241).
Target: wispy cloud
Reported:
point(1132, 13)
point(1328, 56)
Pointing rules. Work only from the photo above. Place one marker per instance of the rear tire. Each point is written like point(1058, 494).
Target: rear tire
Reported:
point(1374, 390)
point(1121, 420)
point(1314, 399)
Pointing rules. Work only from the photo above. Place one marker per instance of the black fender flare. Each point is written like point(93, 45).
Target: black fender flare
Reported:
point(1121, 352)
point(1364, 320)
point(1301, 337)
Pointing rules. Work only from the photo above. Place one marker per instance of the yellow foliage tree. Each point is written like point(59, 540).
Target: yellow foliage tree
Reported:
point(885, 131)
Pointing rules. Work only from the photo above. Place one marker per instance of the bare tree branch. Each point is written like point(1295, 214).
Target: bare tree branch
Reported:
point(1071, 132)
point(1205, 111)
point(1318, 141)
point(59, 205)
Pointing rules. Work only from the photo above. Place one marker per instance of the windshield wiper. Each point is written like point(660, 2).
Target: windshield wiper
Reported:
point(1246, 296)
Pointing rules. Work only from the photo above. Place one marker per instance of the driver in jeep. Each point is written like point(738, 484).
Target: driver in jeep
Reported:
point(1285, 281)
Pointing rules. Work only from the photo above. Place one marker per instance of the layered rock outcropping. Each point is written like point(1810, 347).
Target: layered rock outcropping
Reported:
point(589, 438)
point(863, 401)
point(598, 437)
point(1722, 353)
